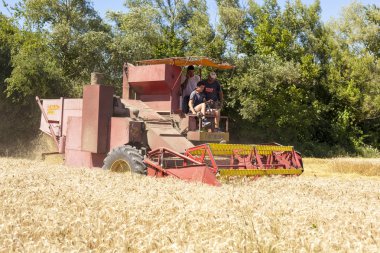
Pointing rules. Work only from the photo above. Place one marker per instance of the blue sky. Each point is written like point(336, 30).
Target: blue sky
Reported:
point(330, 8)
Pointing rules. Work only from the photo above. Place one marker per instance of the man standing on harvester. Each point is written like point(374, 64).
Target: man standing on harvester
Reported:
point(214, 96)
point(188, 85)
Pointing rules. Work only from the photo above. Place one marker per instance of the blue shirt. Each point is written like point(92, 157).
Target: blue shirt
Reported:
point(197, 97)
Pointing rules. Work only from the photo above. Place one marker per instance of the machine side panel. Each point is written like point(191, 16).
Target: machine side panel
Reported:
point(53, 109)
point(150, 88)
point(173, 76)
point(173, 73)
point(74, 129)
point(125, 130)
point(74, 156)
point(145, 112)
point(78, 158)
point(71, 108)
point(164, 135)
point(148, 73)
point(154, 83)
point(208, 136)
point(119, 132)
point(126, 89)
point(157, 102)
point(97, 112)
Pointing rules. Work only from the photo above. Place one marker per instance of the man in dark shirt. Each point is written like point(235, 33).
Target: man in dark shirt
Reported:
point(197, 103)
point(214, 96)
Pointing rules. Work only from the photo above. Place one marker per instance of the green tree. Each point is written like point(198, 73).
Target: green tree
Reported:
point(201, 38)
point(271, 98)
point(173, 18)
point(137, 31)
point(35, 70)
point(65, 39)
point(354, 73)
point(7, 30)
point(16, 116)
point(152, 28)
point(285, 85)
point(232, 25)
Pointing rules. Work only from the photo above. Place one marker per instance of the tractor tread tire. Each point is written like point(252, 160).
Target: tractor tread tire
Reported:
point(131, 150)
point(129, 154)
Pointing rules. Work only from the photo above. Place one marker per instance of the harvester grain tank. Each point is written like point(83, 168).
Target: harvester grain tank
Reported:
point(145, 132)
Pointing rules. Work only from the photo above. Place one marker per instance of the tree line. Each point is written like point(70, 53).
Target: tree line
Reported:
point(297, 80)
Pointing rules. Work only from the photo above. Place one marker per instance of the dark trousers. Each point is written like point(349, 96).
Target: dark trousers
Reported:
point(185, 104)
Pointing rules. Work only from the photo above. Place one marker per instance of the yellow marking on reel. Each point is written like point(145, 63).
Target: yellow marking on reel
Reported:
point(227, 149)
point(268, 149)
point(259, 172)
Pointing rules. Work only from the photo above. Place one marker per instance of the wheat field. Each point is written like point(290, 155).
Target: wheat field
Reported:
point(53, 208)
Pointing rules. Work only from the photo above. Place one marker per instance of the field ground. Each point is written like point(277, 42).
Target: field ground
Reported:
point(332, 207)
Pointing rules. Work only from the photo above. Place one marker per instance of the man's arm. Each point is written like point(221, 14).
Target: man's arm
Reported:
point(191, 102)
point(221, 97)
point(191, 106)
point(184, 83)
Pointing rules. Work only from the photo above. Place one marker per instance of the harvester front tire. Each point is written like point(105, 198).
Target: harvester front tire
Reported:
point(124, 159)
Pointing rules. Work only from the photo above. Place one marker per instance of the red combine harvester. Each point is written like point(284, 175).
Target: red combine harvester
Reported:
point(145, 132)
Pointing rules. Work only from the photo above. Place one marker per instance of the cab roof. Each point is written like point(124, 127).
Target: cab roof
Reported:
point(186, 61)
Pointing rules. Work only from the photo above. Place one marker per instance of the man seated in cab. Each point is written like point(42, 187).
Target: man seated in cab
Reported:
point(214, 97)
point(197, 103)
point(188, 85)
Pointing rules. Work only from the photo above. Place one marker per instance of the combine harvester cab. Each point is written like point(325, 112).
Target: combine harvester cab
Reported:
point(155, 84)
point(146, 133)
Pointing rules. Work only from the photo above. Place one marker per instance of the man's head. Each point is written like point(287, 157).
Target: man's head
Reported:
point(200, 86)
point(190, 70)
point(212, 76)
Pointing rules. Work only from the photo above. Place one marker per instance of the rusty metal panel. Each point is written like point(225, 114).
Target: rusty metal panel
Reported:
point(60, 110)
point(173, 75)
point(71, 108)
point(119, 134)
point(74, 156)
point(192, 123)
point(200, 174)
point(125, 130)
point(208, 136)
point(153, 79)
point(136, 131)
point(157, 102)
point(78, 158)
point(164, 135)
point(145, 112)
point(147, 73)
point(126, 89)
point(74, 131)
point(96, 116)
point(154, 83)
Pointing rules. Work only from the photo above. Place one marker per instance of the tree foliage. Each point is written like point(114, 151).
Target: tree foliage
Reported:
point(64, 40)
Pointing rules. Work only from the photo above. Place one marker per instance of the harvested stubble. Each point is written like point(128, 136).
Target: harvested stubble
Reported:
point(54, 208)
